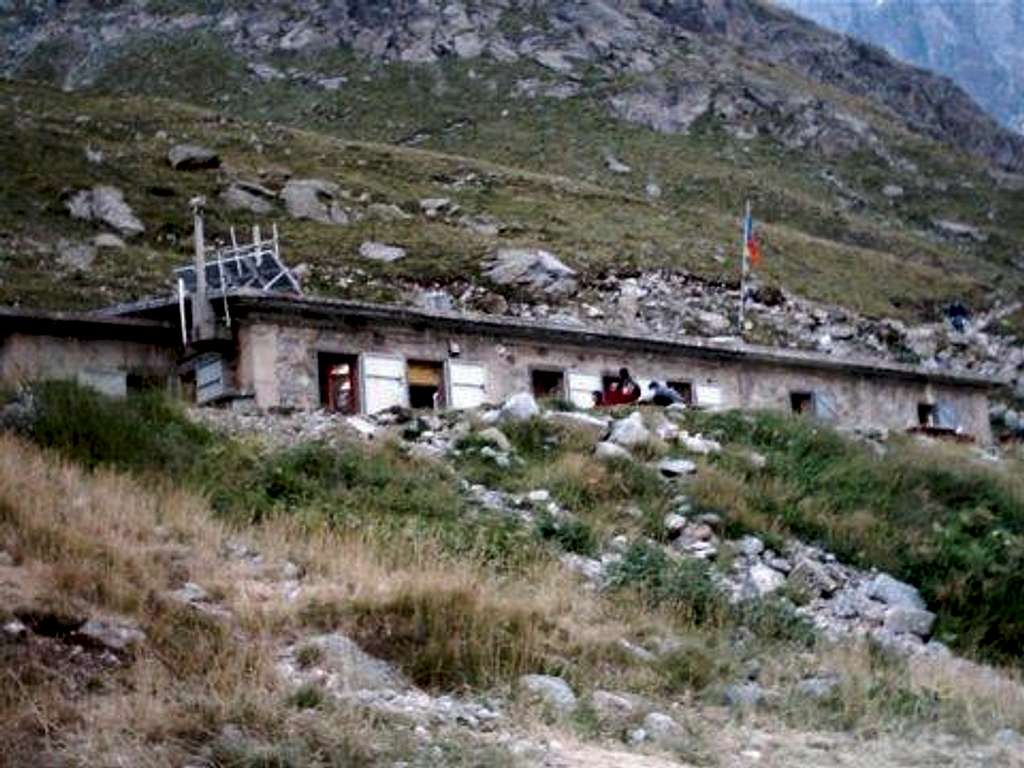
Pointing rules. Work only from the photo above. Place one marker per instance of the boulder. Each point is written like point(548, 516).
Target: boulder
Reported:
point(895, 593)
point(674, 524)
point(762, 580)
point(630, 432)
point(749, 546)
point(520, 407)
point(818, 688)
point(745, 695)
point(606, 451)
point(117, 635)
point(315, 200)
point(435, 206)
point(612, 707)
point(191, 157)
point(676, 467)
point(533, 269)
point(340, 663)
point(107, 205)
point(662, 729)
point(108, 241)
point(615, 165)
point(381, 252)
point(552, 692)
point(245, 196)
point(75, 256)
point(699, 444)
point(892, 191)
point(594, 426)
point(912, 621)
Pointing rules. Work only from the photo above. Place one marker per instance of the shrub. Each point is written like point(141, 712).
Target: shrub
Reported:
point(570, 534)
point(685, 585)
point(447, 637)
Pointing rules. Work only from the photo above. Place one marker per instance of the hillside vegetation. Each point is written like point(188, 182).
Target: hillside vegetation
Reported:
point(881, 259)
point(391, 550)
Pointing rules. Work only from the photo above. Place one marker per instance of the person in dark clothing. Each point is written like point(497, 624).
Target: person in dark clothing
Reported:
point(664, 395)
point(629, 390)
point(958, 316)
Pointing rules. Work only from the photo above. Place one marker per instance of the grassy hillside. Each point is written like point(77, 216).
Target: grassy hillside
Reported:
point(538, 169)
point(460, 601)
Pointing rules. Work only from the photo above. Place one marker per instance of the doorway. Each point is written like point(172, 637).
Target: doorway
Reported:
point(684, 389)
point(339, 382)
point(801, 402)
point(547, 383)
point(426, 384)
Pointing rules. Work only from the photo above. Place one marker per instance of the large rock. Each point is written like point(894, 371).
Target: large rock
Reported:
point(533, 269)
point(912, 621)
point(606, 451)
point(613, 707)
point(113, 634)
point(676, 467)
point(191, 157)
point(246, 196)
point(495, 437)
point(594, 426)
point(630, 431)
point(762, 580)
point(662, 729)
point(550, 691)
point(381, 252)
point(520, 407)
point(896, 593)
point(314, 199)
point(107, 205)
point(339, 663)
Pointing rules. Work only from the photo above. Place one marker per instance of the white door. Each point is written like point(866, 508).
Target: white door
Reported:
point(467, 384)
point(582, 387)
point(383, 379)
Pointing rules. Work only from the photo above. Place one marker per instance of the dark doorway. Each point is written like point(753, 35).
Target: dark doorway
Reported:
point(339, 382)
point(548, 383)
point(426, 384)
point(685, 390)
point(801, 402)
point(926, 414)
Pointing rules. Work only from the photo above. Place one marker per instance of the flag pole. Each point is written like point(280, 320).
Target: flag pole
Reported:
point(744, 267)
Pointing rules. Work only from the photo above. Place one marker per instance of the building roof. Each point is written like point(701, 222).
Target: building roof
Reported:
point(244, 302)
point(80, 325)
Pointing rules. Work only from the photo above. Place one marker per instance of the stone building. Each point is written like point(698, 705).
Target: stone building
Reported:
point(289, 352)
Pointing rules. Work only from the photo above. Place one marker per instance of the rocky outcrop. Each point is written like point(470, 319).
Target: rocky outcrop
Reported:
point(316, 200)
point(107, 205)
point(191, 157)
point(534, 270)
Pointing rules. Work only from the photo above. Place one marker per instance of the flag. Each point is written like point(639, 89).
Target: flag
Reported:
point(751, 245)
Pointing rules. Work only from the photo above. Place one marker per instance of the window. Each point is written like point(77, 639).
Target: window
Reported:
point(548, 383)
point(684, 388)
point(426, 384)
point(926, 414)
point(339, 382)
point(802, 402)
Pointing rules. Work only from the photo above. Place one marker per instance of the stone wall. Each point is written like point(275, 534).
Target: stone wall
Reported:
point(278, 364)
point(101, 363)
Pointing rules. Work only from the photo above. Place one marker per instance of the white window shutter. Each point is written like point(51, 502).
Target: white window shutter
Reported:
point(582, 387)
point(384, 386)
point(467, 384)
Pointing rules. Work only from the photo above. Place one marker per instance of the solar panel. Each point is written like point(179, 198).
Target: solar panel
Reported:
point(255, 265)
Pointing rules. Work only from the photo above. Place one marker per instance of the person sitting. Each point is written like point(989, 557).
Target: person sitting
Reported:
point(664, 395)
point(629, 390)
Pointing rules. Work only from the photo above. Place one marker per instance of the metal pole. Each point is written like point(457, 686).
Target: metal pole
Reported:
point(744, 267)
point(181, 310)
point(199, 301)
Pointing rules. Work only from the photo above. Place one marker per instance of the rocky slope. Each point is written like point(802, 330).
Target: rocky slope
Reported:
point(974, 42)
point(667, 65)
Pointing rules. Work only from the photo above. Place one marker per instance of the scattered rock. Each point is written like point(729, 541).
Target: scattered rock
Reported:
point(108, 241)
point(699, 444)
point(662, 729)
point(914, 621)
point(745, 695)
point(674, 524)
point(630, 431)
point(75, 256)
point(113, 634)
point(432, 207)
point(749, 546)
point(314, 199)
point(495, 437)
point(615, 165)
point(551, 691)
point(191, 157)
point(520, 407)
point(612, 707)
point(337, 663)
point(595, 426)
point(811, 579)
point(247, 196)
point(892, 191)
point(896, 593)
point(676, 467)
point(533, 269)
point(381, 252)
point(818, 688)
point(107, 205)
point(960, 230)
point(762, 581)
point(6, 559)
point(606, 451)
